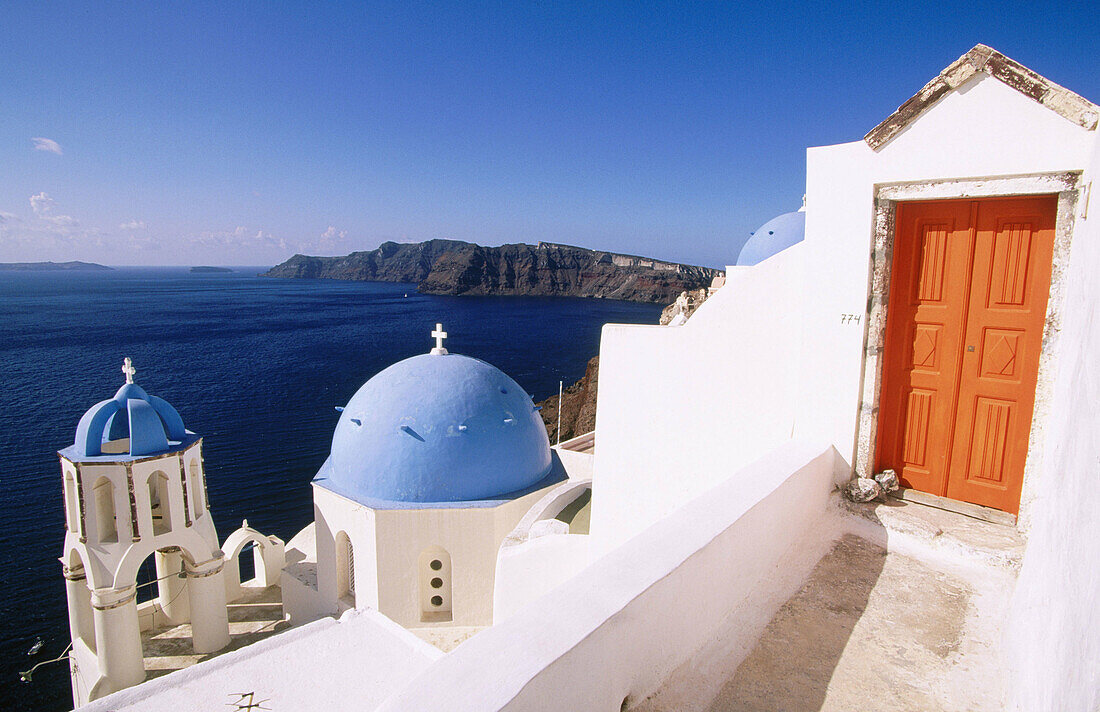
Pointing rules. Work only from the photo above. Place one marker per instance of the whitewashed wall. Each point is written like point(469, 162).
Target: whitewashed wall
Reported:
point(1053, 639)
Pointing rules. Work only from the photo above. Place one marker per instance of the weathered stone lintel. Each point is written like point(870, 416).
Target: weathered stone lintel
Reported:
point(981, 58)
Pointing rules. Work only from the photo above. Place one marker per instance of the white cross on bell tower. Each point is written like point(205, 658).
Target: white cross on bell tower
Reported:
point(439, 335)
point(128, 369)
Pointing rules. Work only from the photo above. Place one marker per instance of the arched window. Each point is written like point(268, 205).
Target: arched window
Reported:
point(103, 494)
point(196, 487)
point(72, 508)
point(345, 569)
point(435, 585)
point(160, 502)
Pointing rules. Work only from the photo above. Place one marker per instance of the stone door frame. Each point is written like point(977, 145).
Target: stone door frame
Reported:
point(1067, 186)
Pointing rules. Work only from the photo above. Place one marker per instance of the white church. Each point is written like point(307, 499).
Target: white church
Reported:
point(933, 309)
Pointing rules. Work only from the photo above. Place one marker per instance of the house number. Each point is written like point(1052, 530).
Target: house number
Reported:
point(850, 318)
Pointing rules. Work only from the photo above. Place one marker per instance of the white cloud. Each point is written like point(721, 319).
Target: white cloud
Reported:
point(330, 238)
point(46, 144)
point(132, 225)
point(240, 237)
point(47, 234)
point(41, 204)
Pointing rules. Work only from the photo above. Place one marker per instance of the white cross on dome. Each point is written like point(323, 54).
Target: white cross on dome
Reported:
point(128, 369)
point(439, 335)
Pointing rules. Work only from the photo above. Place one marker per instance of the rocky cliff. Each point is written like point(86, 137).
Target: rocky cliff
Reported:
point(578, 406)
point(455, 267)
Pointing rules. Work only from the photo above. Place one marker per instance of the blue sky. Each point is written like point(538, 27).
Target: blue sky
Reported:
point(241, 133)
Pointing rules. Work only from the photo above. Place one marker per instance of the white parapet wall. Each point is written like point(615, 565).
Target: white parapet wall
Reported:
point(681, 409)
point(629, 619)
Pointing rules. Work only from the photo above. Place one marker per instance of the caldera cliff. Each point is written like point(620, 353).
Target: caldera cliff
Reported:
point(546, 269)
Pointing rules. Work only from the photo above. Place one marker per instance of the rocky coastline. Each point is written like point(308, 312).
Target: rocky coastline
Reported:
point(453, 267)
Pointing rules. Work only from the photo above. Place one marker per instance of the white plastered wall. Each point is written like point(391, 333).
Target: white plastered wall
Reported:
point(334, 514)
point(1053, 641)
point(778, 352)
point(471, 537)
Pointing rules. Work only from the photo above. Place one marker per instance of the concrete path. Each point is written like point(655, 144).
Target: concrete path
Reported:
point(868, 631)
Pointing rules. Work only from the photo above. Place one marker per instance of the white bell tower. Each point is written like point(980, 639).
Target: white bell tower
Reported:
point(134, 487)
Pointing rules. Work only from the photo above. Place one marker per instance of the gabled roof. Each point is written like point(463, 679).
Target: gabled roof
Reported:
point(985, 59)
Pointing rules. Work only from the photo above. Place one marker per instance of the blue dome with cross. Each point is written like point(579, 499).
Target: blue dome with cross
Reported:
point(437, 428)
point(132, 423)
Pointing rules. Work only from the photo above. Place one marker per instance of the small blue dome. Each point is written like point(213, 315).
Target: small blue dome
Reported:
point(773, 237)
point(437, 428)
point(150, 424)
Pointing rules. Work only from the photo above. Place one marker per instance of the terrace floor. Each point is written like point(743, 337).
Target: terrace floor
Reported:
point(252, 617)
point(873, 628)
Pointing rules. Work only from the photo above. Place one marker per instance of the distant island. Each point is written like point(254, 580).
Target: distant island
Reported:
point(73, 266)
point(210, 270)
point(546, 269)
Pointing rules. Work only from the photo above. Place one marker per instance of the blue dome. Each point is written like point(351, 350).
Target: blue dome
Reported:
point(150, 424)
point(773, 237)
point(437, 428)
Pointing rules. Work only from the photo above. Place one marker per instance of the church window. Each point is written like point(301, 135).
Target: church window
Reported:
point(160, 503)
point(196, 487)
point(103, 495)
point(351, 568)
point(72, 509)
point(345, 569)
point(435, 585)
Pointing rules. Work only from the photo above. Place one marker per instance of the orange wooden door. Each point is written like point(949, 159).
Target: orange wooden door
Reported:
point(964, 329)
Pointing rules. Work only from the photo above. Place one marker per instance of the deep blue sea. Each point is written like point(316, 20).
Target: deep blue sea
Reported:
point(255, 366)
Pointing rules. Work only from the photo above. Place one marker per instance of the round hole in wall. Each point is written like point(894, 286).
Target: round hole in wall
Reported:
point(437, 582)
point(437, 600)
point(436, 564)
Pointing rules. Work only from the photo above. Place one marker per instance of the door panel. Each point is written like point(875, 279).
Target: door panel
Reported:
point(964, 328)
point(924, 330)
point(1014, 244)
